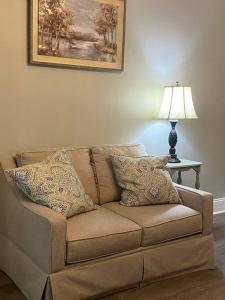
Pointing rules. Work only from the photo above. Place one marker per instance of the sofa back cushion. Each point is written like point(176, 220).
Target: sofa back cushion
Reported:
point(108, 189)
point(8, 162)
point(80, 158)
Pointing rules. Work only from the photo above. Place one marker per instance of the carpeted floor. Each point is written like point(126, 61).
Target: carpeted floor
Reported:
point(204, 285)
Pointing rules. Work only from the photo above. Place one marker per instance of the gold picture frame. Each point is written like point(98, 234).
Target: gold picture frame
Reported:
point(84, 34)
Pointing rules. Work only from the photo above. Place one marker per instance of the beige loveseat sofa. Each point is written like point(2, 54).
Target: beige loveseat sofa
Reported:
point(106, 250)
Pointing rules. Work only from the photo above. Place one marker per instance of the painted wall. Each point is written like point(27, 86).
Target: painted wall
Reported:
point(166, 41)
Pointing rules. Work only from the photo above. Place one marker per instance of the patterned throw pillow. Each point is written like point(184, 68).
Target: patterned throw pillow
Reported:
point(55, 184)
point(143, 181)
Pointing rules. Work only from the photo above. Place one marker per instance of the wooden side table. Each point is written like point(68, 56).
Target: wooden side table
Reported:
point(185, 165)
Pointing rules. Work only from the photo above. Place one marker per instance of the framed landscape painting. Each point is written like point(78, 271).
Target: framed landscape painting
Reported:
point(77, 33)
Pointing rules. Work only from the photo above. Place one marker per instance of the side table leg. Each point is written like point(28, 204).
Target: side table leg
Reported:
point(197, 181)
point(179, 177)
point(172, 172)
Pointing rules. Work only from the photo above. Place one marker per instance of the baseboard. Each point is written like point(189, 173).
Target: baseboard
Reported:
point(219, 206)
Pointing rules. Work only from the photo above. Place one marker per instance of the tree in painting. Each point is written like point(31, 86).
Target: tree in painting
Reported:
point(106, 26)
point(54, 23)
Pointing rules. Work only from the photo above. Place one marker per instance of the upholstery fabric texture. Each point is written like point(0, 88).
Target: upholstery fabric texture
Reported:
point(200, 201)
point(29, 226)
point(92, 281)
point(143, 181)
point(41, 272)
point(178, 257)
point(108, 189)
point(54, 183)
point(80, 157)
point(161, 223)
point(103, 233)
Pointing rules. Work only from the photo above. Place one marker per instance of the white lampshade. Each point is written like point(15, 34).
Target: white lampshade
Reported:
point(177, 104)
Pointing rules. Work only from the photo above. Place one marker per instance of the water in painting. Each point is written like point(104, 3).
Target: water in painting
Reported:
point(78, 29)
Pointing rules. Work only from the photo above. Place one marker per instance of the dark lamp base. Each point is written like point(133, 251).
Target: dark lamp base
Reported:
point(173, 143)
point(174, 161)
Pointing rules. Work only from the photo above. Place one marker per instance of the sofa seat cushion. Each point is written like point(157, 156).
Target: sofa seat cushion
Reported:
point(161, 223)
point(100, 233)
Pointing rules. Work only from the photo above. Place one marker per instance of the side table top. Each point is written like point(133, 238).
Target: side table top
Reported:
point(183, 164)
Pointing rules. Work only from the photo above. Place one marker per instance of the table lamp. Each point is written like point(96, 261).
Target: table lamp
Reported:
point(177, 105)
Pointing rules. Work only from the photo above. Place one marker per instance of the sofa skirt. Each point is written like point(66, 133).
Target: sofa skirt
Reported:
point(180, 257)
point(94, 279)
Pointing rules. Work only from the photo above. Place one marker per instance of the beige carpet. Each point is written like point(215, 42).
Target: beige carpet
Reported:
point(204, 285)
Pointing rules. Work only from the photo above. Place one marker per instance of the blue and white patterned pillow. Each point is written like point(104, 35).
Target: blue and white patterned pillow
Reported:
point(54, 183)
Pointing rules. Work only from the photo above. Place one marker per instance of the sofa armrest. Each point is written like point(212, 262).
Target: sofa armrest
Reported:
point(200, 201)
point(37, 231)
